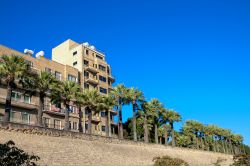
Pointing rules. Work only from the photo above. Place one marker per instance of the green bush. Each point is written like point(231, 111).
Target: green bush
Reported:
point(168, 161)
point(10, 155)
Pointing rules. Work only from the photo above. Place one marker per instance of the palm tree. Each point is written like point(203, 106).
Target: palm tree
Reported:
point(120, 93)
point(156, 108)
point(173, 117)
point(146, 113)
point(134, 96)
point(108, 104)
point(167, 128)
point(65, 92)
point(92, 103)
point(12, 70)
point(42, 83)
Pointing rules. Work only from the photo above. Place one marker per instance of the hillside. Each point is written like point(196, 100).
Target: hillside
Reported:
point(68, 151)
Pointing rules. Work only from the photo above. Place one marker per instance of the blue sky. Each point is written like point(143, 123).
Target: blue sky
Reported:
point(192, 55)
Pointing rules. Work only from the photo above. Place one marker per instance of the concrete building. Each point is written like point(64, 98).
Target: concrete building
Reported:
point(70, 61)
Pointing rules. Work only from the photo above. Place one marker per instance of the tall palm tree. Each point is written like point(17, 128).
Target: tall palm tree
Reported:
point(167, 128)
point(42, 83)
point(65, 92)
point(12, 70)
point(135, 96)
point(156, 108)
point(108, 104)
point(120, 93)
point(146, 113)
point(92, 103)
point(172, 118)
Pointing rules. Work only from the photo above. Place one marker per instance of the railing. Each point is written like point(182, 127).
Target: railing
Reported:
point(19, 120)
point(18, 101)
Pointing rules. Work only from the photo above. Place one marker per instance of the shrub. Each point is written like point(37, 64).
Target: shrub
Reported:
point(168, 161)
point(10, 155)
point(241, 160)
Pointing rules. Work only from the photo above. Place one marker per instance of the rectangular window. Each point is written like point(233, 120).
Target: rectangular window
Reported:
point(87, 52)
point(103, 128)
point(16, 96)
point(57, 124)
point(46, 122)
point(75, 63)
point(86, 74)
point(74, 53)
point(25, 117)
point(86, 63)
point(48, 70)
point(27, 99)
point(103, 79)
point(13, 116)
point(58, 75)
point(103, 68)
point(103, 90)
point(103, 114)
point(72, 78)
point(99, 57)
point(86, 86)
point(73, 109)
point(86, 126)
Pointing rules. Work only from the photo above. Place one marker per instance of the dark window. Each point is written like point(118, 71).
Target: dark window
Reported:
point(103, 79)
point(72, 78)
point(99, 57)
point(74, 53)
point(87, 52)
point(103, 90)
point(86, 63)
point(75, 63)
point(103, 128)
point(86, 86)
point(86, 126)
point(58, 75)
point(103, 68)
point(48, 70)
point(103, 114)
point(86, 74)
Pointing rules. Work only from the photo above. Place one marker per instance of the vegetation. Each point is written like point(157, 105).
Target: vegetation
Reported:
point(241, 160)
point(13, 156)
point(166, 160)
point(152, 122)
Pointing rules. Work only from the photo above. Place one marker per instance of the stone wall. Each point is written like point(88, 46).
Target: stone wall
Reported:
point(57, 147)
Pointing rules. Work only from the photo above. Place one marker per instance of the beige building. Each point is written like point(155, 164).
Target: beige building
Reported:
point(70, 61)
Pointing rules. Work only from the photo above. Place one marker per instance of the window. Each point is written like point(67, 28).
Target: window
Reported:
point(46, 122)
point(103, 79)
point(99, 57)
point(13, 116)
point(74, 53)
point(108, 71)
point(87, 52)
point(86, 74)
point(86, 86)
point(58, 75)
point(75, 63)
point(48, 70)
point(103, 114)
point(16, 96)
point(25, 117)
point(86, 126)
point(75, 126)
point(86, 63)
point(57, 124)
point(103, 90)
point(103, 68)
point(72, 78)
point(103, 128)
point(27, 99)
point(73, 109)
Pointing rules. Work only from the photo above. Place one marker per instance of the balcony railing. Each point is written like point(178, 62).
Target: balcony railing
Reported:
point(19, 120)
point(91, 69)
point(91, 80)
point(19, 103)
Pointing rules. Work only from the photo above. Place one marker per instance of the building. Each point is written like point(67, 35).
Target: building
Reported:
point(70, 61)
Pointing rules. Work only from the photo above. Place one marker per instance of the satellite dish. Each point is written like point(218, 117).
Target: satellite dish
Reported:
point(40, 53)
point(92, 47)
point(27, 51)
point(86, 44)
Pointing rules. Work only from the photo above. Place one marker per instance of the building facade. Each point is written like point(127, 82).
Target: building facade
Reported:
point(72, 61)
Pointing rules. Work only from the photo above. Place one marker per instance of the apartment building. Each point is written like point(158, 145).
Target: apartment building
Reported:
point(70, 61)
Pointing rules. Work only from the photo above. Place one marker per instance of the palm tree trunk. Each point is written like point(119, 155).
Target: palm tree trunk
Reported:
point(40, 110)
point(83, 119)
point(108, 125)
point(145, 129)
point(134, 121)
point(156, 134)
point(120, 120)
point(8, 103)
point(80, 119)
point(90, 121)
point(172, 132)
point(160, 139)
point(66, 127)
point(166, 138)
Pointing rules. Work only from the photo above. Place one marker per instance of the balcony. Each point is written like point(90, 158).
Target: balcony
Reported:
point(111, 87)
point(111, 78)
point(54, 110)
point(91, 69)
point(19, 103)
point(91, 81)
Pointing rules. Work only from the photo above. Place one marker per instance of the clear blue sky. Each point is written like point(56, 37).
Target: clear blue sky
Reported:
point(192, 55)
